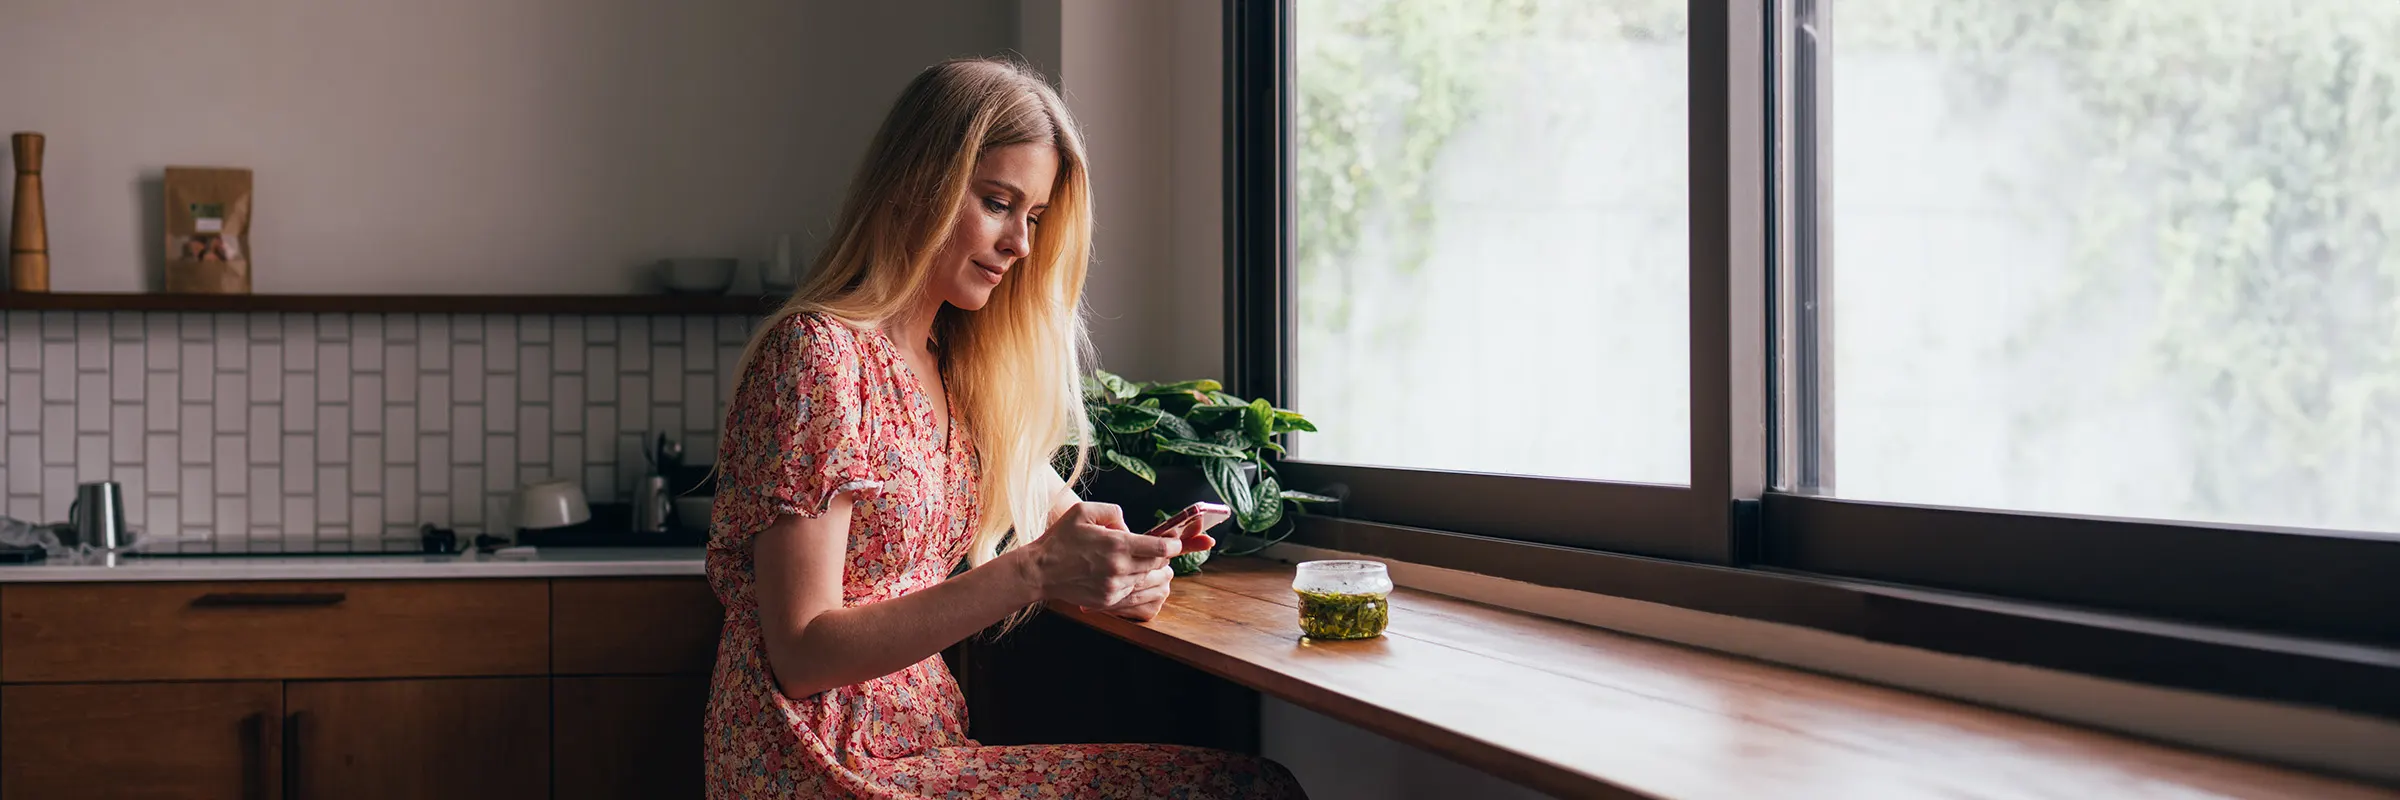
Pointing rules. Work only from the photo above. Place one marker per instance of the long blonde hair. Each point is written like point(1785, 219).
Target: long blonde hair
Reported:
point(1014, 367)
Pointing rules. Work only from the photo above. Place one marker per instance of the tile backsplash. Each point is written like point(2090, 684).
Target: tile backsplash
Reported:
point(288, 432)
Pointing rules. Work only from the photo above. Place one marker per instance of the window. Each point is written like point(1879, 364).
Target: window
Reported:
point(2105, 258)
point(2093, 303)
point(1492, 239)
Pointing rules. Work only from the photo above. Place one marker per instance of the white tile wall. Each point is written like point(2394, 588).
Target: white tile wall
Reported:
point(264, 432)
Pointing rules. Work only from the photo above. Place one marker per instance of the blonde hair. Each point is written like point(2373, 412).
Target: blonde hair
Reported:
point(1014, 367)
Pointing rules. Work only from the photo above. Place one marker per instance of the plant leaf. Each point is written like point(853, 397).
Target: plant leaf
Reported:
point(1211, 415)
point(1260, 423)
point(1131, 419)
point(1180, 387)
point(1136, 419)
point(1197, 449)
point(1175, 425)
point(1292, 421)
point(1093, 389)
point(1225, 476)
point(1188, 563)
point(1223, 399)
point(1265, 510)
point(1133, 465)
point(1306, 497)
point(1117, 387)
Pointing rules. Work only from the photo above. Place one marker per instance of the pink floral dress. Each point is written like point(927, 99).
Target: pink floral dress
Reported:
point(827, 409)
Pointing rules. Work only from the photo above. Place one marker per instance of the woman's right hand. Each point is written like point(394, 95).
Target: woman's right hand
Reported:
point(1089, 558)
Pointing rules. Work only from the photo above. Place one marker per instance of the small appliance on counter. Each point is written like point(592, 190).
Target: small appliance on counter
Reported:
point(667, 507)
point(97, 517)
point(551, 504)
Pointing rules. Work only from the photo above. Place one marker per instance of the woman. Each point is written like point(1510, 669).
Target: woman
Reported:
point(898, 415)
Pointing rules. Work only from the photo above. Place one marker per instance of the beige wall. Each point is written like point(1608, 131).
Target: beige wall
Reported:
point(1115, 76)
point(464, 145)
point(1143, 80)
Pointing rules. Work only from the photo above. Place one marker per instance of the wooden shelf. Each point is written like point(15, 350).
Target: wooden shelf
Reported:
point(1576, 711)
point(678, 304)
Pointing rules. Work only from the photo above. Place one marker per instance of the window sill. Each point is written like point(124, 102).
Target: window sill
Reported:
point(1580, 711)
point(2348, 677)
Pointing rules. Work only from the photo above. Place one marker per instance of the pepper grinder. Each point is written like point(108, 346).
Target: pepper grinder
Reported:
point(29, 238)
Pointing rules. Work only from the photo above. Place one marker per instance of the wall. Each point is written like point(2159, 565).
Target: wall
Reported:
point(286, 432)
point(1113, 77)
point(1143, 80)
point(1335, 761)
point(451, 146)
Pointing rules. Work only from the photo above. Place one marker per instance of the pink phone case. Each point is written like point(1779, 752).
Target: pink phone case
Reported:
point(1194, 519)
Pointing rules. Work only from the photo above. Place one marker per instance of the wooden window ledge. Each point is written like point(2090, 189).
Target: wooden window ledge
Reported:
point(1578, 711)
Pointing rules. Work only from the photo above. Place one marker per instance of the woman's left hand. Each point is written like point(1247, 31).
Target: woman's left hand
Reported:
point(1151, 595)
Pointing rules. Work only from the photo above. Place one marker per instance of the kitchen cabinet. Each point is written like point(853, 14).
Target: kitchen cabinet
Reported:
point(275, 690)
point(458, 738)
point(628, 736)
point(633, 626)
point(142, 740)
point(274, 630)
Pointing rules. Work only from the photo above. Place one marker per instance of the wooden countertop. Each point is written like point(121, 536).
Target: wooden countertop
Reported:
point(1584, 712)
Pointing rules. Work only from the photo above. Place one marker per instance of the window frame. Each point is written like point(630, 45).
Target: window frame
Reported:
point(2095, 595)
point(1694, 522)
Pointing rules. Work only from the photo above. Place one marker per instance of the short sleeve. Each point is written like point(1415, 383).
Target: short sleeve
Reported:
point(795, 430)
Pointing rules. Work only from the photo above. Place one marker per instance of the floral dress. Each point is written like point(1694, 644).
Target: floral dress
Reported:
point(827, 409)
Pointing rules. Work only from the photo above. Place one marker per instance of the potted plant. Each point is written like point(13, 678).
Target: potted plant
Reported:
point(1160, 446)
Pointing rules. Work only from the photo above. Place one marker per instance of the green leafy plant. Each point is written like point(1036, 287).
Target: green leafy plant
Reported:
point(1142, 427)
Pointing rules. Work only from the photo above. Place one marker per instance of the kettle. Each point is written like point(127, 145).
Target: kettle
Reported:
point(651, 504)
point(97, 517)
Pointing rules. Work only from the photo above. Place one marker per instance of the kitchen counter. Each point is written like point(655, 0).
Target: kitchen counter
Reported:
point(578, 562)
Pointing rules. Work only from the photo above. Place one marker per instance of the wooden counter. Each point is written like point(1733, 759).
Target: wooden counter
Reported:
point(1583, 712)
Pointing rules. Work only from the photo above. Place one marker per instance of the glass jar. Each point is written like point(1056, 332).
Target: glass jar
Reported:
point(1343, 599)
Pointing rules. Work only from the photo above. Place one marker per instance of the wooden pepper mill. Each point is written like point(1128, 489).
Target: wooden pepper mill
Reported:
point(28, 238)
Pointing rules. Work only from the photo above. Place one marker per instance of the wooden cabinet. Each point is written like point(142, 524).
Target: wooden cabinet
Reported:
point(142, 740)
point(632, 656)
point(627, 736)
point(273, 630)
point(633, 626)
point(461, 738)
point(268, 690)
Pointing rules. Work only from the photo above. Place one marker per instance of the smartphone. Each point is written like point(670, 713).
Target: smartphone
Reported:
point(1193, 520)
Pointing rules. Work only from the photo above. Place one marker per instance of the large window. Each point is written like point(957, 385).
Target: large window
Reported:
point(2094, 303)
point(2105, 257)
point(1491, 246)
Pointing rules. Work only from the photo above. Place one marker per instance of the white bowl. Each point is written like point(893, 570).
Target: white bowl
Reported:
point(696, 275)
point(552, 504)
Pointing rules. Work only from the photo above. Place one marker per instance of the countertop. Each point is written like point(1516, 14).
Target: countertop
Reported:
point(1578, 711)
point(576, 562)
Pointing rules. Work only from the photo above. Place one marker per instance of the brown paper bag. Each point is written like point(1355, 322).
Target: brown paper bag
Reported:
point(208, 230)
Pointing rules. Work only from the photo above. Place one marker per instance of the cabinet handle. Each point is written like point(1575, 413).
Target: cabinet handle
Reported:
point(291, 756)
point(272, 599)
point(254, 744)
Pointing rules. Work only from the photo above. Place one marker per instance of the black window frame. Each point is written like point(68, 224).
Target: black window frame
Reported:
point(1700, 521)
point(2247, 610)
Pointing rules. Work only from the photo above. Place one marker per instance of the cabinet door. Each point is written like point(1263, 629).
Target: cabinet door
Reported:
point(456, 738)
point(628, 737)
point(141, 740)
